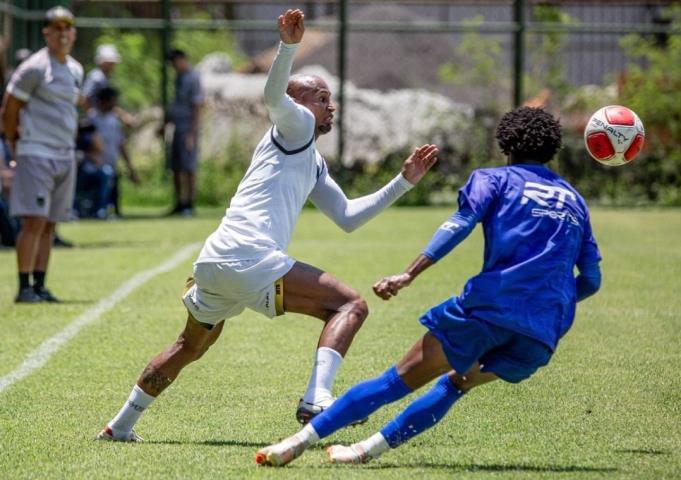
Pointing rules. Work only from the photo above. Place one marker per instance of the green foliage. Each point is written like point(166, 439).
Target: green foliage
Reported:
point(199, 43)
point(651, 87)
point(477, 65)
point(217, 179)
point(138, 76)
point(547, 60)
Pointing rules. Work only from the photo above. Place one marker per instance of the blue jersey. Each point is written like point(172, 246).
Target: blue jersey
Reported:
point(537, 229)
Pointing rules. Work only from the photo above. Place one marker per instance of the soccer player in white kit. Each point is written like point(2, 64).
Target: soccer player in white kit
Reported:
point(244, 264)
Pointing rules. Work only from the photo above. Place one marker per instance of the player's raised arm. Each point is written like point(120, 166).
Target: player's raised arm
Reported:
point(293, 122)
point(291, 26)
point(351, 214)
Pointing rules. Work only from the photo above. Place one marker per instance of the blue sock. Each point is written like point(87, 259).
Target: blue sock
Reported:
point(422, 413)
point(360, 401)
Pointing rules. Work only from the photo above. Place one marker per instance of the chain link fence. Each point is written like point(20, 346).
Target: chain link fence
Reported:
point(461, 59)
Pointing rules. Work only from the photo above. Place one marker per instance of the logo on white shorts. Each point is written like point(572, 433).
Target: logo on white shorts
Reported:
point(193, 302)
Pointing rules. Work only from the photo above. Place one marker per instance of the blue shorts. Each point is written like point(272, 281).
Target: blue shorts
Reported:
point(183, 159)
point(513, 357)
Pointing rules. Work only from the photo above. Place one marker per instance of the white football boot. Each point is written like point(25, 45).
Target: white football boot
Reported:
point(107, 435)
point(354, 454)
point(281, 453)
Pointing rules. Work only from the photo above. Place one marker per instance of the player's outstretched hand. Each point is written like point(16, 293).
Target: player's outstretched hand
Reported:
point(388, 287)
point(291, 26)
point(419, 162)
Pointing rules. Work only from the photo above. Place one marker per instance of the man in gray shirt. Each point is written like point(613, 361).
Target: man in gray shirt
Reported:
point(41, 120)
point(184, 114)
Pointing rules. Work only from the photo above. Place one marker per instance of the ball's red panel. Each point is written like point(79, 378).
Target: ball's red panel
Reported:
point(634, 148)
point(600, 146)
point(619, 116)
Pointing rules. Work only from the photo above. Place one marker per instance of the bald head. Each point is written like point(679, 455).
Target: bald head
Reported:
point(299, 86)
point(313, 93)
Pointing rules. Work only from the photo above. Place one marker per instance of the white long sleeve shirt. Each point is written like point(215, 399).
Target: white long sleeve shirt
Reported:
point(285, 170)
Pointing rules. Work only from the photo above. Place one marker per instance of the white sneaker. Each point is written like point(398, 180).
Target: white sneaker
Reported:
point(107, 435)
point(353, 454)
point(281, 453)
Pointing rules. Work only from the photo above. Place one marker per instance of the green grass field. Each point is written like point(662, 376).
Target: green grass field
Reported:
point(608, 405)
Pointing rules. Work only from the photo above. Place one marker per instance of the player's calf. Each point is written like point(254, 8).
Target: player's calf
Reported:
point(192, 343)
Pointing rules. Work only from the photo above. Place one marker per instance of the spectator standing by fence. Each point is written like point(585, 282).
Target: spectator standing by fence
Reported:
point(184, 115)
point(40, 104)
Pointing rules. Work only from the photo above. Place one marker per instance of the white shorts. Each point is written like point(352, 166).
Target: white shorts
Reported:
point(223, 290)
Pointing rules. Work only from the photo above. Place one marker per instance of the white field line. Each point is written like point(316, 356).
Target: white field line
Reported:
point(38, 357)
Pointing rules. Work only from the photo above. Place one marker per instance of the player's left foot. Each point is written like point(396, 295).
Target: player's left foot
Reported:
point(306, 411)
point(353, 454)
point(281, 453)
point(45, 295)
point(108, 435)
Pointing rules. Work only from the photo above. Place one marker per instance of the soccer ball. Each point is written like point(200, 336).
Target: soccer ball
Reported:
point(614, 135)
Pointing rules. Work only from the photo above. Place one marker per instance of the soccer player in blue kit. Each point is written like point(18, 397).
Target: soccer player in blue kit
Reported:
point(509, 318)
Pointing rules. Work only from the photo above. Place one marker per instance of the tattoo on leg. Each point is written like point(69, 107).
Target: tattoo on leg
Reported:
point(155, 379)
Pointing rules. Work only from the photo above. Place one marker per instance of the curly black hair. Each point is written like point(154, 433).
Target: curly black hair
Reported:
point(529, 134)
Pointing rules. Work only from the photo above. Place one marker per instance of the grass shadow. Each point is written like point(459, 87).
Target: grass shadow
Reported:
point(642, 451)
point(112, 244)
point(209, 443)
point(454, 467)
point(75, 302)
point(508, 467)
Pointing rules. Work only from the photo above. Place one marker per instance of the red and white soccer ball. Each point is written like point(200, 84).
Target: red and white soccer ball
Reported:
point(614, 135)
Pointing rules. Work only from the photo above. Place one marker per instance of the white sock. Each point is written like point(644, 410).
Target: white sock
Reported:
point(308, 435)
point(326, 363)
point(137, 403)
point(375, 445)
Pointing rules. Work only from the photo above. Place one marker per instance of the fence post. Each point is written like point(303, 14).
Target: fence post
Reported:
point(518, 51)
point(18, 39)
point(342, 64)
point(165, 48)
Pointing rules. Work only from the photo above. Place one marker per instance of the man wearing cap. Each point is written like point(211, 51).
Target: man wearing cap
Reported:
point(184, 115)
point(106, 59)
point(40, 121)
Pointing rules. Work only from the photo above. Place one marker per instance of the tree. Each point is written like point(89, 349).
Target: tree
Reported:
point(651, 86)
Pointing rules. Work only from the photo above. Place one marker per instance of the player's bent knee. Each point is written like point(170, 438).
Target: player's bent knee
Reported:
point(360, 308)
